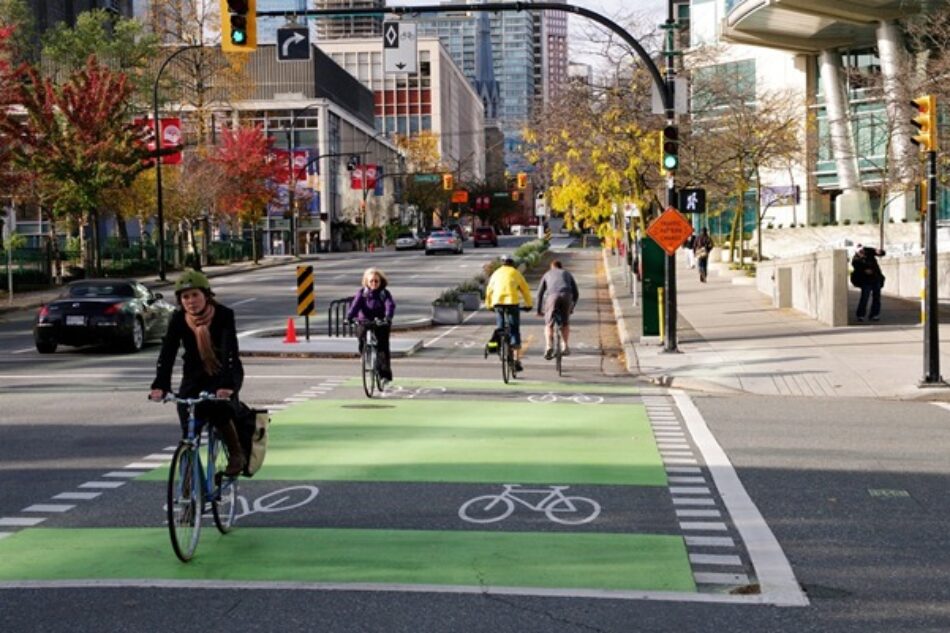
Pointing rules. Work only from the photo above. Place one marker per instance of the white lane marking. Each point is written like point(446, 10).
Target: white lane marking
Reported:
point(669, 453)
point(20, 521)
point(5, 534)
point(689, 490)
point(78, 496)
point(450, 330)
point(686, 480)
point(709, 541)
point(772, 568)
point(688, 501)
point(142, 465)
point(163, 457)
point(125, 474)
point(102, 484)
point(672, 446)
point(703, 526)
point(242, 301)
point(605, 594)
point(711, 578)
point(684, 469)
point(23, 351)
point(169, 448)
point(49, 507)
point(699, 514)
point(715, 559)
point(679, 460)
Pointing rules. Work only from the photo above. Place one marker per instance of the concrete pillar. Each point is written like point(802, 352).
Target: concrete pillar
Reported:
point(853, 203)
point(893, 70)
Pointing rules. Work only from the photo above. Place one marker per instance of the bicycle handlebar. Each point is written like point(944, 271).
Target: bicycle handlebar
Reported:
point(373, 322)
point(204, 396)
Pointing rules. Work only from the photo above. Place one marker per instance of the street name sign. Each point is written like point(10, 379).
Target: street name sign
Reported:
point(399, 47)
point(293, 44)
point(670, 230)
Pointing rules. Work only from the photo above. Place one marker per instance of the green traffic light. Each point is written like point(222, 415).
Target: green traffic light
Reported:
point(238, 37)
point(670, 162)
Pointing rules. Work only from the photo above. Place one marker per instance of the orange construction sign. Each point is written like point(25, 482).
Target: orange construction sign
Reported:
point(460, 195)
point(670, 230)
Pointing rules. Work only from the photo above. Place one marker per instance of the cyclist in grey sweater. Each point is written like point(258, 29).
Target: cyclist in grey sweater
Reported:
point(557, 294)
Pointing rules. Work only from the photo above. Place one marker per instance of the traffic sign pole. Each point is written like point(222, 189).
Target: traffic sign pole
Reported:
point(669, 341)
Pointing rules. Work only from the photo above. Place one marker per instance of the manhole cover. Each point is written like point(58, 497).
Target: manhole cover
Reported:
point(368, 406)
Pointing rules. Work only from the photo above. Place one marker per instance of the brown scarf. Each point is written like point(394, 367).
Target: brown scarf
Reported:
point(199, 326)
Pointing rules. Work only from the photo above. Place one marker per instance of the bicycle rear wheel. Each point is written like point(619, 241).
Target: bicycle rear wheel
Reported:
point(184, 501)
point(505, 355)
point(369, 370)
point(224, 502)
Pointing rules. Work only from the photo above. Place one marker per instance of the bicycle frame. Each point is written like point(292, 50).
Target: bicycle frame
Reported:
point(551, 494)
point(371, 375)
point(504, 349)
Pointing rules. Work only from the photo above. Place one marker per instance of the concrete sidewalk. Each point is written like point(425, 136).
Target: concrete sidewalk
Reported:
point(732, 340)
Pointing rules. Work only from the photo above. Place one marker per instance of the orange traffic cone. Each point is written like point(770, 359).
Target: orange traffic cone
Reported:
point(291, 336)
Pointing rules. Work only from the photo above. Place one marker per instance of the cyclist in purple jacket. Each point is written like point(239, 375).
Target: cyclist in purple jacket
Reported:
point(373, 301)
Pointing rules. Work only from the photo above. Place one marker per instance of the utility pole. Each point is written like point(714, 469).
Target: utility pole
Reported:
point(669, 291)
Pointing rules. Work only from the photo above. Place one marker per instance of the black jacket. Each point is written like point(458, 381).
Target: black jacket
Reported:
point(865, 268)
point(194, 380)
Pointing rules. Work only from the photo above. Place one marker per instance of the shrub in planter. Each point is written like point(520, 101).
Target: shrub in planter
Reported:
point(447, 308)
point(846, 222)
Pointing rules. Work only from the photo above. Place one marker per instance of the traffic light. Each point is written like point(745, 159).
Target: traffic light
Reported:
point(448, 182)
point(522, 180)
point(925, 120)
point(669, 149)
point(238, 26)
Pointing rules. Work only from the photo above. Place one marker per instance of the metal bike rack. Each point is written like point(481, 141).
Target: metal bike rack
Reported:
point(336, 318)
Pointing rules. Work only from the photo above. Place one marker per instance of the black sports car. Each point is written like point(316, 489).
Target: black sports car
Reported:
point(121, 312)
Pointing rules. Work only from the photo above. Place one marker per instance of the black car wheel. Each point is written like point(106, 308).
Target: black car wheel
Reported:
point(136, 340)
point(46, 347)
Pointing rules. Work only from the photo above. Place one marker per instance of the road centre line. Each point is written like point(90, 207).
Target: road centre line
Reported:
point(772, 568)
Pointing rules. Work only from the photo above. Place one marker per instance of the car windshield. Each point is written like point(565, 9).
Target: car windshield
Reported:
point(441, 234)
point(404, 236)
point(483, 230)
point(101, 289)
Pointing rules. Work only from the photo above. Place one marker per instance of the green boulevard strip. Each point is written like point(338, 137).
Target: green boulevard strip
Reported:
point(554, 455)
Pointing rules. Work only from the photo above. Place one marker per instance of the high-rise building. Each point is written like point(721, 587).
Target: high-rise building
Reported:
point(48, 13)
point(347, 26)
point(551, 54)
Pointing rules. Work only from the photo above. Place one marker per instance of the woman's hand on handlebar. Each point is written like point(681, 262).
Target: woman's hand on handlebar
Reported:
point(156, 395)
point(224, 393)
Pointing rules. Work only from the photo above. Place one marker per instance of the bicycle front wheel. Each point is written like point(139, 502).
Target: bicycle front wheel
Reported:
point(184, 501)
point(225, 489)
point(369, 370)
point(505, 354)
point(573, 510)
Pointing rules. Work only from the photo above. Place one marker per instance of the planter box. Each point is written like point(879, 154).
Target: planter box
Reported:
point(447, 314)
point(471, 300)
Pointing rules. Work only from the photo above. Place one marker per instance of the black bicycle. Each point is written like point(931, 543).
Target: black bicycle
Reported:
point(509, 370)
point(372, 379)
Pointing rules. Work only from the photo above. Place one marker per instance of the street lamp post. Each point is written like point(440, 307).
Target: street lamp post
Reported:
point(158, 160)
point(292, 177)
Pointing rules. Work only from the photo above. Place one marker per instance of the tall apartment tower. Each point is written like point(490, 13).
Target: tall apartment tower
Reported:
point(48, 13)
point(551, 54)
point(349, 26)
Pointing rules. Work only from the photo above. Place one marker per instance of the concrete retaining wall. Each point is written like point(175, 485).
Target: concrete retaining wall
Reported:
point(815, 284)
point(903, 275)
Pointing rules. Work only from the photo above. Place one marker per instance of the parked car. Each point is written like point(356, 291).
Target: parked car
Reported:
point(407, 241)
point(120, 312)
point(485, 236)
point(446, 241)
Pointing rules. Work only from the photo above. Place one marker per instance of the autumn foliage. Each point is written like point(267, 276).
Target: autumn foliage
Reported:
point(246, 156)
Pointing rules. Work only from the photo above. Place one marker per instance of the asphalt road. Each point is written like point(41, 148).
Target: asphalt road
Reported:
point(855, 492)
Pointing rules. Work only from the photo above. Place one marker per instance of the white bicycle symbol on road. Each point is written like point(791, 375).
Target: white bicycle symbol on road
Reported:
point(578, 398)
point(555, 505)
point(395, 391)
point(277, 501)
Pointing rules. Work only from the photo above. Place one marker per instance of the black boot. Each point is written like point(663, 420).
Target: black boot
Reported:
point(235, 453)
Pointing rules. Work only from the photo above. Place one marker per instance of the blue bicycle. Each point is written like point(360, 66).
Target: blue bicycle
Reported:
point(191, 486)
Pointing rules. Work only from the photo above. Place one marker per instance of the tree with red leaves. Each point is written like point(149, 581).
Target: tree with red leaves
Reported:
point(77, 139)
point(251, 171)
point(6, 101)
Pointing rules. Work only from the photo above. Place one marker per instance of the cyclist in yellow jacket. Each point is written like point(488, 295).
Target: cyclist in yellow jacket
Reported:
point(504, 293)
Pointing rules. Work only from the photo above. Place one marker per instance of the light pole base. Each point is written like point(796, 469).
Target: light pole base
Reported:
point(928, 382)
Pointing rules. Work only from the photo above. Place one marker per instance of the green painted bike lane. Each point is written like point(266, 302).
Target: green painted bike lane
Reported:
point(426, 432)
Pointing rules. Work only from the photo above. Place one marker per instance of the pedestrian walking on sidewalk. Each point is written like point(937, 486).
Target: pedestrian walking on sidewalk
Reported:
point(689, 244)
point(866, 274)
point(702, 247)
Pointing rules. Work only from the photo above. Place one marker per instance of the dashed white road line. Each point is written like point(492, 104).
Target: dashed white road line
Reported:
point(79, 496)
point(49, 507)
point(20, 521)
point(102, 484)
